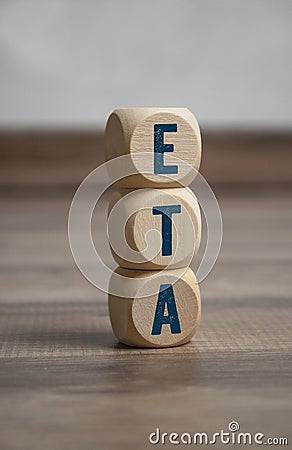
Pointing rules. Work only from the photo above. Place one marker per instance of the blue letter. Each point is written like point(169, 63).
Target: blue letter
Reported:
point(166, 298)
point(160, 148)
point(166, 212)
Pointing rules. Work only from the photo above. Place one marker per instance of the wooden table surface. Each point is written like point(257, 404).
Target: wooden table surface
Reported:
point(65, 383)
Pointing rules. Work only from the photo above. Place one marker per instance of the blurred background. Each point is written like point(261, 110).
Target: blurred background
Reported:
point(69, 63)
point(65, 65)
point(65, 382)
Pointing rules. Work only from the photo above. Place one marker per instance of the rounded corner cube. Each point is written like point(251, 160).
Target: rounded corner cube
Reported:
point(153, 229)
point(163, 309)
point(163, 146)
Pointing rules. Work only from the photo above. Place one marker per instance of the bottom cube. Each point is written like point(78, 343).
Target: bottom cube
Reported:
point(155, 308)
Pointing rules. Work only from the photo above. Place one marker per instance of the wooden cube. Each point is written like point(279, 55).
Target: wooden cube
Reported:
point(150, 229)
point(163, 308)
point(161, 132)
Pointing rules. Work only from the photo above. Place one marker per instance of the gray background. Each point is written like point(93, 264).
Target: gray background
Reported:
point(69, 63)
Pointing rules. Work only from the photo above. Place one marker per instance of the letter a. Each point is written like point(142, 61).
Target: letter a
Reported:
point(166, 299)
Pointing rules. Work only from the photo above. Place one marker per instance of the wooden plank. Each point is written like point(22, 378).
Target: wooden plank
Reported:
point(60, 157)
point(65, 383)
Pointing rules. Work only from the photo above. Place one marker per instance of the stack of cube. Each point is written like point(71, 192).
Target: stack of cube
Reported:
point(154, 300)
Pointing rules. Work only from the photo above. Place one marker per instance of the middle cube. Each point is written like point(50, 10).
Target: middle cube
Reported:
point(150, 229)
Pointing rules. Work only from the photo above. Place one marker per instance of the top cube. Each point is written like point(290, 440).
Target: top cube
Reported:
point(163, 144)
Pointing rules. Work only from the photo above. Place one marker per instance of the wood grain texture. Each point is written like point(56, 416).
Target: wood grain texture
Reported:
point(133, 221)
point(134, 315)
point(66, 384)
point(131, 130)
point(66, 157)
